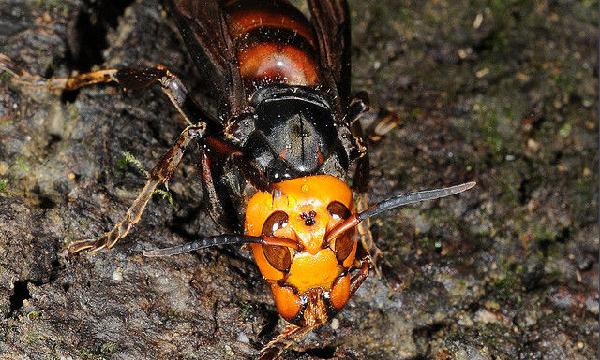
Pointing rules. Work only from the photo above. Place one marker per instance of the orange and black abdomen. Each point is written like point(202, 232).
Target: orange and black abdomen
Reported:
point(274, 43)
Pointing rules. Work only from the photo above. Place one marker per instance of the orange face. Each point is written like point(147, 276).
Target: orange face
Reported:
point(313, 282)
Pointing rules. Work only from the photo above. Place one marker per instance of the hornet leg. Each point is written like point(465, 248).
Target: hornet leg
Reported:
point(359, 278)
point(362, 203)
point(368, 128)
point(291, 334)
point(161, 173)
point(127, 78)
point(377, 124)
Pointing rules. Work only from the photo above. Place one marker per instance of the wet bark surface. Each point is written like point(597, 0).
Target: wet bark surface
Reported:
point(503, 93)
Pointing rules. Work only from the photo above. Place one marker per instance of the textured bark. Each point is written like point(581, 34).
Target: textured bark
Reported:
point(503, 93)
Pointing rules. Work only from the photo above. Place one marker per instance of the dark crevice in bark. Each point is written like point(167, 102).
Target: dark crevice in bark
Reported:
point(19, 295)
point(21, 292)
point(326, 352)
point(87, 36)
point(421, 337)
point(88, 32)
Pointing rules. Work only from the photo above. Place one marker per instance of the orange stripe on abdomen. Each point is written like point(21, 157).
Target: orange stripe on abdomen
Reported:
point(246, 20)
point(275, 43)
point(266, 63)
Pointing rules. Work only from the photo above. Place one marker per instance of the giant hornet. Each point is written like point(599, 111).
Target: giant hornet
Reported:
point(281, 142)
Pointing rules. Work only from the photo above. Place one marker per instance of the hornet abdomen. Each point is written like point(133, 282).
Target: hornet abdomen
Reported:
point(274, 43)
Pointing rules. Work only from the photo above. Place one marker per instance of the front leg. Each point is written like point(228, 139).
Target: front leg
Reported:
point(368, 128)
point(360, 277)
point(291, 334)
point(161, 173)
point(374, 254)
point(361, 187)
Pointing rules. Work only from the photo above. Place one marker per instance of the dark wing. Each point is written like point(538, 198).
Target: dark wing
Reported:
point(204, 30)
point(331, 21)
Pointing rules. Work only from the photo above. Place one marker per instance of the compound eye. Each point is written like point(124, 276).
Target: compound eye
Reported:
point(345, 242)
point(338, 211)
point(278, 256)
point(275, 221)
point(344, 245)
